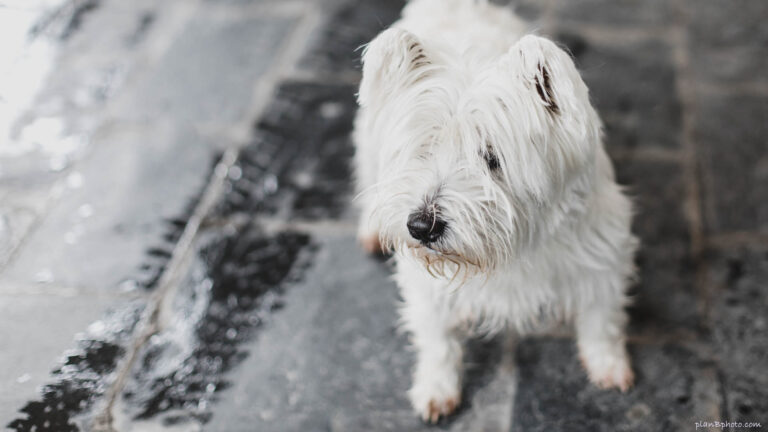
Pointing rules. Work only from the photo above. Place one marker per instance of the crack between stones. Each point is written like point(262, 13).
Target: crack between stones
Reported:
point(698, 240)
point(735, 239)
point(693, 203)
point(154, 319)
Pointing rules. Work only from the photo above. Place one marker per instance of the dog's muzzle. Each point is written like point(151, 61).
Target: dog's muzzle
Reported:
point(426, 226)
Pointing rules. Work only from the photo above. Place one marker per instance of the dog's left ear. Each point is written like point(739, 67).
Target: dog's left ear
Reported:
point(550, 74)
point(395, 59)
point(550, 81)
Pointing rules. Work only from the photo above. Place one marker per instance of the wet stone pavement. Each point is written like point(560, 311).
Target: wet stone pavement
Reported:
point(176, 198)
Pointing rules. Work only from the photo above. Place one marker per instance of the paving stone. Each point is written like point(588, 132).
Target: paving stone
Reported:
point(208, 73)
point(740, 329)
point(726, 24)
point(554, 394)
point(619, 13)
point(489, 386)
point(731, 135)
point(633, 88)
point(735, 65)
point(656, 188)
point(332, 359)
point(728, 40)
point(336, 49)
point(665, 299)
point(97, 234)
point(299, 164)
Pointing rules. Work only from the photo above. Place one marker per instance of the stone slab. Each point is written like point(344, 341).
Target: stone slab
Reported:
point(335, 49)
point(554, 394)
point(96, 234)
point(740, 328)
point(728, 40)
point(208, 73)
point(620, 13)
point(730, 137)
point(656, 189)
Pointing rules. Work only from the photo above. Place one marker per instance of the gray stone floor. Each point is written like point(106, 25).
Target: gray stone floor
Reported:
point(177, 247)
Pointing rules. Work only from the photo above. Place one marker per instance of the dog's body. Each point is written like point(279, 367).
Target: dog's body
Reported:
point(480, 164)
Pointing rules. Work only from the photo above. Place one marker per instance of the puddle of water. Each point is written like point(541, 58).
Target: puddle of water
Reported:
point(234, 285)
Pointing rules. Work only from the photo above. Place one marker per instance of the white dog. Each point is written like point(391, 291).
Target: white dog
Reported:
point(480, 164)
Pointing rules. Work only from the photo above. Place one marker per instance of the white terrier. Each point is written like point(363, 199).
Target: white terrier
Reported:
point(480, 164)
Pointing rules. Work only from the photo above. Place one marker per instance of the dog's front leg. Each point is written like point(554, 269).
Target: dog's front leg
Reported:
point(602, 342)
point(436, 389)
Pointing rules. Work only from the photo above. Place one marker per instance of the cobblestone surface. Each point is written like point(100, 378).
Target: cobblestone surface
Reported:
point(183, 209)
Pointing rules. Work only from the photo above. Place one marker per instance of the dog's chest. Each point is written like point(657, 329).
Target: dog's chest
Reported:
point(517, 299)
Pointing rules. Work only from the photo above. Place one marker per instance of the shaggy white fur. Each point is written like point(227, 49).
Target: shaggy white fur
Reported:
point(480, 164)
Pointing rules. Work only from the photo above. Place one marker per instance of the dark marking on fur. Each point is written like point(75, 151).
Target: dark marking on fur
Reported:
point(419, 58)
point(492, 160)
point(545, 91)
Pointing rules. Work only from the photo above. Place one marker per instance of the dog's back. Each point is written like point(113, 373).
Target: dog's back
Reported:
point(473, 28)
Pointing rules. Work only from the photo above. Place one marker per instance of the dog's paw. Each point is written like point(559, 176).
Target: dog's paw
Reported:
point(434, 400)
point(610, 371)
point(371, 244)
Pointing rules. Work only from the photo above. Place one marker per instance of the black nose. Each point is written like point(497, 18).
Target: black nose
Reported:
point(425, 227)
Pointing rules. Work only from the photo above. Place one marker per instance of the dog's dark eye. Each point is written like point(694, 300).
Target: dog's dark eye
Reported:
point(492, 160)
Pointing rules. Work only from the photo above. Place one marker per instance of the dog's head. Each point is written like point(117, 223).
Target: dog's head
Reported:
point(477, 160)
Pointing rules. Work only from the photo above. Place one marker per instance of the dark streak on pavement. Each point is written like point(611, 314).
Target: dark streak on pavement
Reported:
point(247, 271)
point(298, 165)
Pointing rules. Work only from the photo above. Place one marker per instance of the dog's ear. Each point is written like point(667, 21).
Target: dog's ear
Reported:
point(550, 74)
point(393, 60)
point(550, 82)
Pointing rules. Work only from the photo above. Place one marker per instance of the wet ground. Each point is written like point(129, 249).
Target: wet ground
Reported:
point(177, 246)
